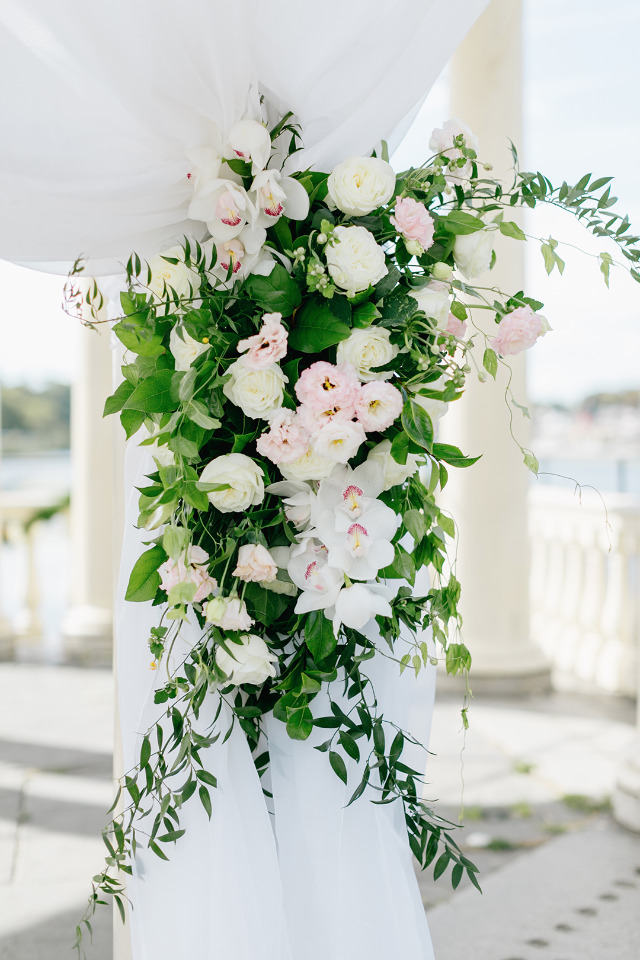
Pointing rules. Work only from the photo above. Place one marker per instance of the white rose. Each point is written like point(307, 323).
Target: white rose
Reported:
point(338, 440)
point(249, 661)
point(367, 348)
point(359, 185)
point(354, 259)
point(258, 393)
point(177, 276)
point(434, 301)
point(244, 477)
point(310, 466)
point(472, 253)
point(184, 348)
point(394, 473)
point(229, 613)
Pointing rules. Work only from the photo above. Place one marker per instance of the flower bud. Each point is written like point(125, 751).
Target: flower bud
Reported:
point(441, 271)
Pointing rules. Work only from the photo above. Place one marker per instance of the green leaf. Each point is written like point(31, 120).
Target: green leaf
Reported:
point(117, 400)
point(417, 424)
point(531, 462)
point(452, 455)
point(365, 314)
point(456, 875)
point(490, 362)
point(205, 800)
point(349, 745)
point(299, 722)
point(441, 864)
point(315, 327)
point(131, 420)
point(459, 310)
point(277, 292)
point(338, 765)
point(145, 752)
point(153, 395)
point(459, 222)
point(265, 606)
point(171, 836)
point(319, 636)
point(145, 579)
point(136, 338)
point(510, 229)
point(205, 777)
point(415, 523)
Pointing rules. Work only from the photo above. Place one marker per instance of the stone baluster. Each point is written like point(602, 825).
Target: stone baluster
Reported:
point(28, 624)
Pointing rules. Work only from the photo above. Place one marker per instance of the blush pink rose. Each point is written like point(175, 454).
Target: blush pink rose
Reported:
point(517, 331)
point(286, 440)
point(378, 405)
point(413, 221)
point(338, 440)
point(255, 564)
point(457, 328)
point(173, 572)
point(267, 346)
point(324, 385)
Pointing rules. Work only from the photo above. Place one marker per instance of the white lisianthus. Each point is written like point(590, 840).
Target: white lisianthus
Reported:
point(310, 466)
point(354, 259)
point(167, 277)
point(472, 253)
point(184, 348)
point(359, 185)
point(394, 472)
point(249, 661)
point(245, 481)
point(367, 348)
point(258, 393)
point(251, 141)
point(435, 302)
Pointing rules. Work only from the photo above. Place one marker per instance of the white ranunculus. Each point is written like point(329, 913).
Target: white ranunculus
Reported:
point(435, 302)
point(394, 472)
point(249, 661)
point(309, 466)
point(472, 253)
point(258, 393)
point(167, 277)
point(359, 185)
point(367, 348)
point(354, 259)
point(245, 481)
point(184, 348)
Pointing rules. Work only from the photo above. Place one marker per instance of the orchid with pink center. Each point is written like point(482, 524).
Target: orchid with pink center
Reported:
point(359, 603)
point(309, 570)
point(298, 500)
point(251, 141)
point(274, 195)
point(267, 346)
point(224, 206)
point(349, 491)
point(360, 547)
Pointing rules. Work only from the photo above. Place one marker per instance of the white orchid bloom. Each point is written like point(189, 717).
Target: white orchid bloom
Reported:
point(251, 141)
point(243, 254)
point(225, 206)
point(298, 499)
point(319, 583)
point(359, 547)
point(205, 166)
point(349, 491)
point(274, 195)
point(358, 604)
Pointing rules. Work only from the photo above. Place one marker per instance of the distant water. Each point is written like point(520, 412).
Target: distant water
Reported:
point(50, 470)
point(606, 475)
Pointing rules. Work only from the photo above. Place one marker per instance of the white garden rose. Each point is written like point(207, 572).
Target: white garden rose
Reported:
point(245, 481)
point(258, 393)
point(394, 473)
point(177, 276)
point(367, 348)
point(184, 348)
point(354, 259)
point(310, 466)
point(472, 253)
point(359, 185)
point(435, 302)
point(249, 661)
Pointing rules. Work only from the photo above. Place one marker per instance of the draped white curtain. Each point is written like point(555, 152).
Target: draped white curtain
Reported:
point(100, 103)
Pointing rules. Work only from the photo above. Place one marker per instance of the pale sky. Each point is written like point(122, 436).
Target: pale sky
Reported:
point(581, 76)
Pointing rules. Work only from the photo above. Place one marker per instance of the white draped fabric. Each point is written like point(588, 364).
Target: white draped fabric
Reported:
point(100, 104)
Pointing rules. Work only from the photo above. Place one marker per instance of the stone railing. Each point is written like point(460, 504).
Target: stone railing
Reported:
point(585, 576)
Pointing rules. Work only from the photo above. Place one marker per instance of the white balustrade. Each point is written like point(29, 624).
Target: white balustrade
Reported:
point(584, 579)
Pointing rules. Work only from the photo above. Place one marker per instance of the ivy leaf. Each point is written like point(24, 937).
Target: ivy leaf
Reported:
point(417, 424)
point(319, 636)
point(277, 292)
point(153, 395)
point(338, 765)
point(316, 327)
point(145, 579)
point(117, 400)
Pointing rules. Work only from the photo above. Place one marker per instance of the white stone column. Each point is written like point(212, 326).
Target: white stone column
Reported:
point(87, 629)
point(489, 500)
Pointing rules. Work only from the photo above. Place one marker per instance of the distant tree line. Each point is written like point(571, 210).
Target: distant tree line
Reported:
point(34, 420)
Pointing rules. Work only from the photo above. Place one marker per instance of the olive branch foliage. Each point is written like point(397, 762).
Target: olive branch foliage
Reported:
point(189, 414)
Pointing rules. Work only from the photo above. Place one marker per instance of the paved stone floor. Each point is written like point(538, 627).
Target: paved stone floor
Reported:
point(561, 881)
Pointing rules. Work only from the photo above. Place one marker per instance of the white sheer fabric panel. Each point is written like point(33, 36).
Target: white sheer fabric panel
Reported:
point(106, 98)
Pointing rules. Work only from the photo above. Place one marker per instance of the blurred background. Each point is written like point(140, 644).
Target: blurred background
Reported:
point(551, 753)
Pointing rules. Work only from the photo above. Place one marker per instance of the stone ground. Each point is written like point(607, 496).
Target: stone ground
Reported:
point(561, 880)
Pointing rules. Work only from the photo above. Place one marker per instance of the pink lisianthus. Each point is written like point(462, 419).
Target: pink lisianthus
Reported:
point(517, 331)
point(312, 419)
point(324, 385)
point(255, 564)
point(457, 328)
point(286, 440)
point(267, 346)
point(191, 570)
point(378, 405)
point(338, 440)
point(414, 222)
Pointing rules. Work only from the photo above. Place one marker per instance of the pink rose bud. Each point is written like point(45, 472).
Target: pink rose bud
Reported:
point(414, 222)
point(517, 331)
point(255, 564)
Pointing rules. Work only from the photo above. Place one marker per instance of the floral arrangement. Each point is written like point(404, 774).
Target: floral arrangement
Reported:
point(287, 371)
